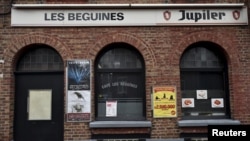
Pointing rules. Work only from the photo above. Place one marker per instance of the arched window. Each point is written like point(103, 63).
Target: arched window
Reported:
point(40, 58)
point(204, 82)
point(120, 79)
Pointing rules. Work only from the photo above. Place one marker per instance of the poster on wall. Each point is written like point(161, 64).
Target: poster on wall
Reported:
point(164, 102)
point(78, 91)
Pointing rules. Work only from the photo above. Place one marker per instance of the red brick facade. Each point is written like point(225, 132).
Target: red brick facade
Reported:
point(161, 48)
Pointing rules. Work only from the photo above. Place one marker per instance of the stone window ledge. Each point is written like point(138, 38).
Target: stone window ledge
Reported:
point(193, 123)
point(119, 124)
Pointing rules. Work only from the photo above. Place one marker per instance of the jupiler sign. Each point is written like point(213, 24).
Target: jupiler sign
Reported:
point(128, 17)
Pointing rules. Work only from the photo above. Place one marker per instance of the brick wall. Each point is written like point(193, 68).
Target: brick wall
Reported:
point(161, 48)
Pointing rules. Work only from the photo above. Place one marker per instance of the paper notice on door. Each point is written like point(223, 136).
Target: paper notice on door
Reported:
point(39, 104)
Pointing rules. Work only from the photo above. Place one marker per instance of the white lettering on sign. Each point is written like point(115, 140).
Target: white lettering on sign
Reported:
point(216, 132)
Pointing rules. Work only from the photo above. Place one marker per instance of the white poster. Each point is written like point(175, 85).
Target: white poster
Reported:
point(201, 94)
point(217, 102)
point(111, 108)
point(187, 102)
point(79, 101)
point(39, 104)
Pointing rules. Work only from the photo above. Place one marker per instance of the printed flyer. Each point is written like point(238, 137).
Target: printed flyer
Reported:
point(78, 91)
point(164, 102)
point(111, 108)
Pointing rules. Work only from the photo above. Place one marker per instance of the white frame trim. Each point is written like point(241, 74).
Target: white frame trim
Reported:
point(135, 6)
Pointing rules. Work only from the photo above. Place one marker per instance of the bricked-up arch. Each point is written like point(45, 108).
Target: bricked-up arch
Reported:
point(229, 47)
point(11, 55)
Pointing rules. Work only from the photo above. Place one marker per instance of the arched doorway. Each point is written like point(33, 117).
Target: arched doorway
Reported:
point(39, 95)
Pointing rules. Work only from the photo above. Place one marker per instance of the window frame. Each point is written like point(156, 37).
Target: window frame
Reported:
point(121, 71)
point(215, 49)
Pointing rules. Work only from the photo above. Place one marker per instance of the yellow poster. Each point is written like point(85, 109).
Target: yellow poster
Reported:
point(164, 102)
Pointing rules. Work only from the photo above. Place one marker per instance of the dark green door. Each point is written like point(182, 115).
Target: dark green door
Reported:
point(34, 123)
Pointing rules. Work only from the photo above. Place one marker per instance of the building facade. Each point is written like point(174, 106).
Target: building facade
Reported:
point(73, 70)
